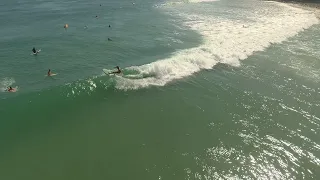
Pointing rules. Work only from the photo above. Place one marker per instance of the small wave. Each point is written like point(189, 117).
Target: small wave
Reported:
point(167, 4)
point(87, 86)
point(173, 3)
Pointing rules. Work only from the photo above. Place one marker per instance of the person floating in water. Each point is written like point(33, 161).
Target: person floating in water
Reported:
point(10, 89)
point(49, 73)
point(109, 39)
point(116, 72)
point(34, 50)
point(109, 26)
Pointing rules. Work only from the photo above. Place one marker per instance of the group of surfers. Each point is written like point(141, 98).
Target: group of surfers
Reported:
point(35, 52)
point(10, 89)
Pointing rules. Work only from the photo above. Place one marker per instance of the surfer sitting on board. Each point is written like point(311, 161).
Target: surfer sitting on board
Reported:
point(49, 73)
point(34, 50)
point(116, 72)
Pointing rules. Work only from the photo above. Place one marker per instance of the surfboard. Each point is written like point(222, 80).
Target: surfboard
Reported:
point(53, 74)
point(13, 89)
point(109, 72)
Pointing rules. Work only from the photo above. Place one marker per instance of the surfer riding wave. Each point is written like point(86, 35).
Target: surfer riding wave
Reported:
point(118, 71)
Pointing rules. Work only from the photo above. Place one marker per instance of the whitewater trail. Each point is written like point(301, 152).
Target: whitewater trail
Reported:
point(224, 41)
point(5, 83)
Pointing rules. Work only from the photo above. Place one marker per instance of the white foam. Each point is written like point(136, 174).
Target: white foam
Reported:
point(198, 1)
point(224, 40)
point(5, 83)
point(173, 3)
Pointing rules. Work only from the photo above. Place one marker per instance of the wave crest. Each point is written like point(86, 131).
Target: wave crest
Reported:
point(224, 41)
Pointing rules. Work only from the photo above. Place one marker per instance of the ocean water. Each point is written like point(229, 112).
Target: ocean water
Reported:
point(211, 90)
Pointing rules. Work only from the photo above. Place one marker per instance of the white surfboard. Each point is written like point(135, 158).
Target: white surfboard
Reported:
point(107, 71)
point(53, 74)
point(110, 72)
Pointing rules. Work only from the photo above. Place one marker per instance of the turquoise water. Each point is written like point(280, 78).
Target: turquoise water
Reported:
point(211, 90)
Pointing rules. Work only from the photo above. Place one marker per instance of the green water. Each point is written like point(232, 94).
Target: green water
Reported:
point(255, 120)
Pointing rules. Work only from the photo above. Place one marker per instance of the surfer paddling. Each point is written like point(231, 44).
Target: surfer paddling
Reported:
point(116, 72)
point(10, 89)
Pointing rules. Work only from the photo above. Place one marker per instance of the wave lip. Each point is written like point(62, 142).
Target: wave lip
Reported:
point(224, 41)
point(173, 3)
